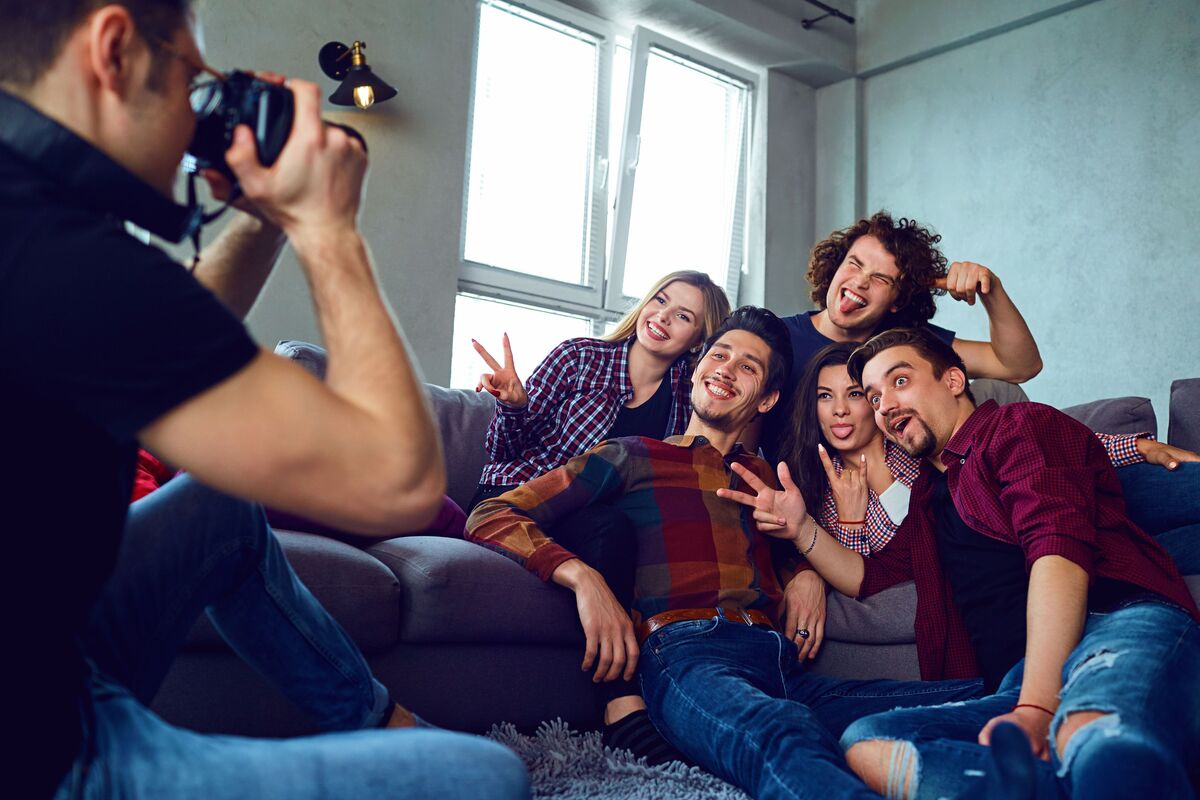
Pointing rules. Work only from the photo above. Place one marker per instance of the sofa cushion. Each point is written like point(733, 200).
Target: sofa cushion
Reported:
point(459, 591)
point(357, 590)
point(463, 418)
point(884, 618)
point(1003, 392)
point(1184, 425)
point(1116, 415)
point(310, 356)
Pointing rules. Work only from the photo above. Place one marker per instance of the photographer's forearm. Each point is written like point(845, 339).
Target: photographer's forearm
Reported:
point(238, 262)
point(369, 363)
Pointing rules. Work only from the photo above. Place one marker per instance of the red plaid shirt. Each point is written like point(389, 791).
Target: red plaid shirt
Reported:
point(879, 528)
point(575, 395)
point(1028, 475)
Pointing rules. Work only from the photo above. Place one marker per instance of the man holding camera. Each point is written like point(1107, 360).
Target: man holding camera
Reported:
point(110, 343)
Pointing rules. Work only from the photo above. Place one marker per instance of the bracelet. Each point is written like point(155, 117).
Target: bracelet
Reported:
point(1033, 705)
point(852, 522)
point(813, 543)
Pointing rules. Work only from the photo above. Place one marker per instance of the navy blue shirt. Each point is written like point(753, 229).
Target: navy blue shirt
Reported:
point(102, 335)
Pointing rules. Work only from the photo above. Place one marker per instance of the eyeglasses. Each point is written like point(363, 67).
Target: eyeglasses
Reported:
point(187, 58)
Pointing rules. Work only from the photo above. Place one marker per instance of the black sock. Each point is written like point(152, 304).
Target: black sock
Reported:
point(1012, 772)
point(637, 734)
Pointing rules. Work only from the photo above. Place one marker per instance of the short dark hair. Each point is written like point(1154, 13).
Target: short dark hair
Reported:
point(918, 257)
point(768, 327)
point(33, 32)
point(937, 352)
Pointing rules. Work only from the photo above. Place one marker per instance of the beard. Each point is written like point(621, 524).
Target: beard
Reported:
point(923, 445)
point(722, 422)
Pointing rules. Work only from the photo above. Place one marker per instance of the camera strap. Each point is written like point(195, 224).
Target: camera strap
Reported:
point(205, 218)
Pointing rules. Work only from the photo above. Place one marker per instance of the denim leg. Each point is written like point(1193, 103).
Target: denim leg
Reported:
point(1183, 545)
point(1158, 499)
point(716, 690)
point(135, 754)
point(1138, 666)
point(187, 549)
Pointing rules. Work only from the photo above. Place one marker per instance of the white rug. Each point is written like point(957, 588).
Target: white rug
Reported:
point(572, 766)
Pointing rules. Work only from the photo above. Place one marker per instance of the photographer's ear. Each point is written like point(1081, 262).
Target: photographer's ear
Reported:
point(113, 45)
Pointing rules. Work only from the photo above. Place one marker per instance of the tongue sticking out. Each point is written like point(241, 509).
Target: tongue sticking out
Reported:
point(847, 306)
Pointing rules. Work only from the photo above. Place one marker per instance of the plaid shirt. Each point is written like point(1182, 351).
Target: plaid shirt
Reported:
point(879, 528)
point(695, 550)
point(575, 395)
point(1028, 475)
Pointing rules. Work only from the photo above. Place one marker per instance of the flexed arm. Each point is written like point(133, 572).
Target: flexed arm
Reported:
point(1012, 354)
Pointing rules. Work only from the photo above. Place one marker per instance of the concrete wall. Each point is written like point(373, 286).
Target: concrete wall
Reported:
point(1059, 147)
point(413, 206)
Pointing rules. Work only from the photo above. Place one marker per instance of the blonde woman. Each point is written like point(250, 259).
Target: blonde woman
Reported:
point(633, 382)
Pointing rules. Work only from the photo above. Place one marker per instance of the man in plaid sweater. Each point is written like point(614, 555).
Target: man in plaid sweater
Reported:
point(721, 680)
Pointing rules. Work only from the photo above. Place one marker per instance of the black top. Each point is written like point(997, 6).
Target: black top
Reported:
point(102, 335)
point(649, 419)
point(989, 583)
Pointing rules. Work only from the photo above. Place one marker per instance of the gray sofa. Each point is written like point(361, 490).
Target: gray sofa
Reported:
point(467, 638)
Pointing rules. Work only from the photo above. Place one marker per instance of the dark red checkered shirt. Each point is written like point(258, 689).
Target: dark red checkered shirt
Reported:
point(1029, 475)
point(575, 395)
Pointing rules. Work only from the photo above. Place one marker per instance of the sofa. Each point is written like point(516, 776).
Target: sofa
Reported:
point(467, 638)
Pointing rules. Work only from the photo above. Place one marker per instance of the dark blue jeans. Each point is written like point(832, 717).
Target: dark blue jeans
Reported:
point(188, 550)
point(737, 701)
point(1166, 504)
point(1140, 665)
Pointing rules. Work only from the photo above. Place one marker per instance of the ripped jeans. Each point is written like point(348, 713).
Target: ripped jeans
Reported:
point(1140, 664)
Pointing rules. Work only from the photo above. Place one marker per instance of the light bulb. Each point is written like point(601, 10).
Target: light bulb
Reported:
point(364, 96)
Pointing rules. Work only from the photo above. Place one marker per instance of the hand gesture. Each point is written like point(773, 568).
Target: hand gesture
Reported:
point(804, 612)
point(1164, 454)
point(778, 513)
point(849, 489)
point(1034, 722)
point(502, 382)
point(965, 278)
point(611, 645)
point(316, 184)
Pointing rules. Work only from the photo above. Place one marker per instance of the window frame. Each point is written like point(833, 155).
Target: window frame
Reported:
point(601, 298)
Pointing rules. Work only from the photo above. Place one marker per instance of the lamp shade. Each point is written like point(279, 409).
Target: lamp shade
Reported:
point(359, 85)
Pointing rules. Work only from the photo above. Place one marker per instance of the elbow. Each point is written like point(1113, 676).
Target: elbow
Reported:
point(403, 499)
point(1031, 370)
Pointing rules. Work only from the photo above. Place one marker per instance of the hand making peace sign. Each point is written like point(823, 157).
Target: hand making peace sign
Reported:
point(778, 513)
point(502, 382)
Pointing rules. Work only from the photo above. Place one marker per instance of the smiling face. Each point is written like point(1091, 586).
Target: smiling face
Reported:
point(846, 418)
point(670, 323)
point(727, 386)
point(914, 408)
point(865, 287)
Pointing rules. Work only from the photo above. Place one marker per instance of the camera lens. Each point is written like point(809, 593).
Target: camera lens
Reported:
point(206, 98)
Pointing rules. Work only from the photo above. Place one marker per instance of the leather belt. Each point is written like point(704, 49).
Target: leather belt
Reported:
point(738, 616)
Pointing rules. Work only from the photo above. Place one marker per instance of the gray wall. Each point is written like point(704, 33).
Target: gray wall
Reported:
point(1058, 144)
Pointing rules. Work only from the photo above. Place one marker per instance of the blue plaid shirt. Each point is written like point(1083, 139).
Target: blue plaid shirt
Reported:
point(575, 395)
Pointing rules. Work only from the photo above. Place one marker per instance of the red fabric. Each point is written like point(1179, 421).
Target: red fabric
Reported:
point(1029, 475)
point(150, 475)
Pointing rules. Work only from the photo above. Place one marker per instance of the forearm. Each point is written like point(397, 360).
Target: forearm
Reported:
point(237, 264)
point(370, 367)
point(1011, 340)
point(840, 566)
point(1055, 612)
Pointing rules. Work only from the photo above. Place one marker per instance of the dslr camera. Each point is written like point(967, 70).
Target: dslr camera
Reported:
point(221, 106)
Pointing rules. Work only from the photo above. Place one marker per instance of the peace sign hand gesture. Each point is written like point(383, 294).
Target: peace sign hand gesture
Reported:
point(849, 488)
point(779, 513)
point(502, 382)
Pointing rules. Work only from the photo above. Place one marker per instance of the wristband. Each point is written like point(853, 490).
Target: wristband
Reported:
point(852, 522)
point(1033, 705)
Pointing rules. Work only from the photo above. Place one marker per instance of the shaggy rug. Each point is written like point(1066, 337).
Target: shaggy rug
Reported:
point(570, 765)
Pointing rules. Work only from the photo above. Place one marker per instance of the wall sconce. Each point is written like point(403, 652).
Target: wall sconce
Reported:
point(360, 86)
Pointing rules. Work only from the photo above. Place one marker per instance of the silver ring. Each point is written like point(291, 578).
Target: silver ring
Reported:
point(802, 633)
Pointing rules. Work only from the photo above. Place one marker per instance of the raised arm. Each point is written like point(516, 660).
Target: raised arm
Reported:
point(1011, 354)
point(360, 451)
point(522, 414)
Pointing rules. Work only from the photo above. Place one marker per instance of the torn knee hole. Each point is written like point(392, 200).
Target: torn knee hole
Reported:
point(888, 766)
point(1072, 723)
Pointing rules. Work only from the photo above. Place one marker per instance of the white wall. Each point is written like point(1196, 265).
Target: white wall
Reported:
point(1064, 154)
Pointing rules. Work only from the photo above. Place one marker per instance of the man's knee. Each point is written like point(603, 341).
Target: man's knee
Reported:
point(186, 507)
point(887, 767)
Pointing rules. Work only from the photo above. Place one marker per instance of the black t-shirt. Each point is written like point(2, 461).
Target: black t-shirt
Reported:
point(102, 335)
point(989, 583)
point(649, 419)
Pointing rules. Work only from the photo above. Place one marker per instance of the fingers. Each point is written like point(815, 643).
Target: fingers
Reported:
point(940, 283)
point(818, 636)
point(487, 357)
point(749, 477)
point(242, 158)
point(218, 184)
point(785, 477)
point(803, 645)
point(826, 462)
point(985, 735)
point(590, 650)
point(306, 120)
point(738, 497)
point(508, 356)
point(605, 664)
point(486, 383)
point(863, 468)
point(632, 654)
point(765, 518)
point(985, 280)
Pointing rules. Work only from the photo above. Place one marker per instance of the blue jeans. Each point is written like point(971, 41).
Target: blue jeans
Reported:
point(188, 549)
point(1139, 665)
point(1166, 504)
point(737, 701)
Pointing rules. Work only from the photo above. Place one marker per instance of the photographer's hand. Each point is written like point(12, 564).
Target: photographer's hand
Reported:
point(316, 184)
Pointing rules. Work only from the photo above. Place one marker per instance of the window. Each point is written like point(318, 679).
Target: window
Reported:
point(597, 162)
